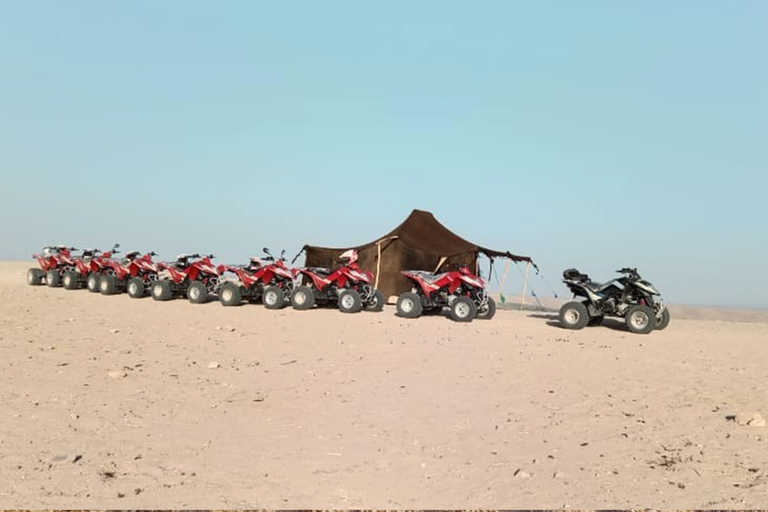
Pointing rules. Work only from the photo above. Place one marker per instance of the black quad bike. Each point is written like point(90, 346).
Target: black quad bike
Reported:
point(629, 297)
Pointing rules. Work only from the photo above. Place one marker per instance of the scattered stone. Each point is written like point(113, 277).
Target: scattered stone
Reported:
point(137, 491)
point(117, 374)
point(522, 474)
point(114, 331)
point(213, 365)
point(747, 419)
point(558, 474)
point(77, 458)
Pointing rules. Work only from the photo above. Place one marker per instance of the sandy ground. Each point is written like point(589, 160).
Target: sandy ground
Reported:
point(108, 402)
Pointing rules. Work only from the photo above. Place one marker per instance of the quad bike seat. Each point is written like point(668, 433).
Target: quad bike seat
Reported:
point(320, 270)
point(573, 274)
point(427, 276)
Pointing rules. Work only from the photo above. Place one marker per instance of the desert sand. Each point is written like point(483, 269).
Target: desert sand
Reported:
point(109, 402)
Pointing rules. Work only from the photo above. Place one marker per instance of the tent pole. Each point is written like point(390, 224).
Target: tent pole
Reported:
point(440, 263)
point(378, 265)
point(525, 286)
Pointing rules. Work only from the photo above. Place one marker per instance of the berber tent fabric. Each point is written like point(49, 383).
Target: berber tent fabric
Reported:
point(421, 242)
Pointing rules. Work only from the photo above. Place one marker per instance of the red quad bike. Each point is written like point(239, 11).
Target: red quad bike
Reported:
point(196, 280)
point(85, 264)
point(264, 278)
point(458, 289)
point(348, 285)
point(54, 262)
point(134, 274)
point(99, 266)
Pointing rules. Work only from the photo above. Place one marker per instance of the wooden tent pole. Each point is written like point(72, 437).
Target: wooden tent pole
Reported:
point(378, 265)
point(525, 286)
point(440, 263)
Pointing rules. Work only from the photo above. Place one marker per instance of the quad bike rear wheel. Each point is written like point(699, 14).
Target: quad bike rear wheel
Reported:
point(92, 283)
point(663, 322)
point(53, 278)
point(463, 309)
point(136, 288)
point(230, 295)
point(302, 298)
point(376, 303)
point(640, 319)
point(197, 292)
point(350, 302)
point(574, 315)
point(161, 290)
point(409, 305)
point(35, 277)
point(70, 280)
point(273, 298)
point(487, 310)
point(108, 284)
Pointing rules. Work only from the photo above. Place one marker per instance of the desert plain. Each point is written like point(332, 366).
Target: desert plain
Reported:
point(118, 403)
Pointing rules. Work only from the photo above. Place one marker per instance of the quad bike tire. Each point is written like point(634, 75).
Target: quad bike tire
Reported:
point(302, 298)
point(273, 297)
point(574, 316)
point(663, 322)
point(92, 282)
point(409, 305)
point(108, 284)
point(463, 309)
point(376, 304)
point(197, 293)
point(69, 281)
point(488, 311)
point(35, 277)
point(136, 288)
point(53, 278)
point(230, 295)
point(640, 319)
point(350, 301)
point(161, 290)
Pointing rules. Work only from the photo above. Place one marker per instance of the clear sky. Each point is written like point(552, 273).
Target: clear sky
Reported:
point(594, 134)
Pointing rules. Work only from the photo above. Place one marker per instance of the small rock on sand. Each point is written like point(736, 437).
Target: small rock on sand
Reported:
point(213, 365)
point(114, 331)
point(748, 419)
point(117, 374)
point(522, 474)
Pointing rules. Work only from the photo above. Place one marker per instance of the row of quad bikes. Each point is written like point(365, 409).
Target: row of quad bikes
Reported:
point(267, 280)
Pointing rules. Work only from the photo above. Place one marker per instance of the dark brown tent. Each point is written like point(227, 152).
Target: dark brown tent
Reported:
point(419, 243)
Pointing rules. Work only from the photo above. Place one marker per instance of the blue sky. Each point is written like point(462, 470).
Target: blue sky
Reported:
point(595, 134)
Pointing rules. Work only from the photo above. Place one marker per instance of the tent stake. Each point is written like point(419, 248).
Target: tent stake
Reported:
point(525, 286)
point(378, 265)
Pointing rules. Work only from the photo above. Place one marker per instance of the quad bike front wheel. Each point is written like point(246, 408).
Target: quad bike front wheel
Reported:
point(463, 309)
point(302, 298)
point(409, 305)
point(108, 284)
point(230, 295)
point(574, 316)
point(197, 292)
point(161, 290)
point(350, 302)
point(273, 298)
point(663, 322)
point(640, 319)
point(92, 283)
point(487, 310)
point(70, 280)
point(35, 277)
point(136, 288)
point(53, 278)
point(376, 304)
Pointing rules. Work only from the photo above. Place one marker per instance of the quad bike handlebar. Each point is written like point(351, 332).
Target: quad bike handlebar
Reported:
point(631, 271)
